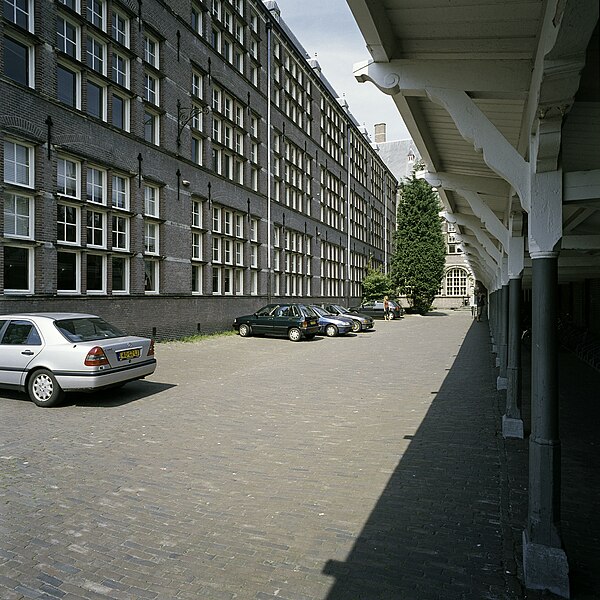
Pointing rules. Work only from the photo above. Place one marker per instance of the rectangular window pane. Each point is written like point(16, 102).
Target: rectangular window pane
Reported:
point(95, 100)
point(16, 61)
point(119, 275)
point(66, 86)
point(16, 268)
point(17, 216)
point(95, 273)
point(118, 112)
point(66, 277)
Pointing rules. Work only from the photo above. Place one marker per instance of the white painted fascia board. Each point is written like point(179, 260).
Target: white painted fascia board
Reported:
point(581, 185)
point(581, 242)
point(375, 27)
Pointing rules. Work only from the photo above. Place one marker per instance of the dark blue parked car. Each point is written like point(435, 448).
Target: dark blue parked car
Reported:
point(332, 325)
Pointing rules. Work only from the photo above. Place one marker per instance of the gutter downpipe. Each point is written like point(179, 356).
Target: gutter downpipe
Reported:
point(269, 27)
point(348, 211)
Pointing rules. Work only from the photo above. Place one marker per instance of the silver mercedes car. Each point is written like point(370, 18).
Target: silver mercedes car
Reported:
point(48, 354)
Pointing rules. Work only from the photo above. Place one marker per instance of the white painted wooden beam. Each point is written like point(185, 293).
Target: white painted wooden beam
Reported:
point(581, 242)
point(581, 185)
point(413, 77)
point(376, 29)
point(482, 185)
point(487, 217)
point(475, 127)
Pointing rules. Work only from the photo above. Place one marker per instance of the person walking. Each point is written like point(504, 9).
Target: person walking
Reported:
point(473, 304)
point(480, 304)
point(386, 308)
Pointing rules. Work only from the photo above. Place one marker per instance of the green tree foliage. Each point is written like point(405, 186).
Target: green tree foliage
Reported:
point(419, 254)
point(376, 285)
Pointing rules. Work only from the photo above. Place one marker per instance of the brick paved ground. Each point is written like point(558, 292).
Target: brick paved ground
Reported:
point(366, 467)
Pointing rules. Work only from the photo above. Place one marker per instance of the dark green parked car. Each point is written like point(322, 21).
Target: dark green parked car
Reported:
point(296, 321)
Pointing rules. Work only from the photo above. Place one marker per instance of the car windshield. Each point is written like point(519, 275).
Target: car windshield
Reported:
point(320, 311)
point(307, 311)
point(87, 329)
point(341, 309)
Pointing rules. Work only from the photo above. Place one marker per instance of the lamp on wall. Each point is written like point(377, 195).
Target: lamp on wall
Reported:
point(185, 115)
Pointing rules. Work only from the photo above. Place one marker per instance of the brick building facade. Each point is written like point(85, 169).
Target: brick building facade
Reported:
point(171, 165)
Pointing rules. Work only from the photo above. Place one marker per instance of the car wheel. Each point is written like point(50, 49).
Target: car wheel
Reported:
point(331, 330)
point(294, 334)
point(245, 330)
point(356, 327)
point(43, 388)
point(391, 316)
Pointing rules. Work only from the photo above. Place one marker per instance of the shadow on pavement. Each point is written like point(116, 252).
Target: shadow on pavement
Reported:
point(436, 530)
point(448, 524)
point(131, 392)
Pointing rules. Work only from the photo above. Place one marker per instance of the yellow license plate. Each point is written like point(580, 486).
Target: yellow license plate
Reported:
point(129, 354)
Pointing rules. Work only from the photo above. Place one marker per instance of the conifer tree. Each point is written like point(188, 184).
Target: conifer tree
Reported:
point(376, 285)
point(419, 253)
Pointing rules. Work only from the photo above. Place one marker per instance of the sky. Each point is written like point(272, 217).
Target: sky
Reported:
point(327, 29)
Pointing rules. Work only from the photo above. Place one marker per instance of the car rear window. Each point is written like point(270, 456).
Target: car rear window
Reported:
point(307, 311)
point(87, 329)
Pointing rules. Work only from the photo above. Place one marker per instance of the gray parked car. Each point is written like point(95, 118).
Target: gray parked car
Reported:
point(48, 354)
point(360, 322)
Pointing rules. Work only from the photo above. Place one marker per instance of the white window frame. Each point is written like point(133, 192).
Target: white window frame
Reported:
point(155, 127)
point(151, 201)
point(92, 229)
point(156, 275)
point(199, 270)
point(239, 226)
point(91, 184)
point(65, 223)
point(102, 290)
point(126, 276)
point(30, 270)
point(239, 254)
point(151, 89)
point(77, 75)
point(63, 190)
point(15, 217)
point(30, 48)
point(16, 10)
point(77, 288)
point(122, 194)
point(96, 18)
point(151, 238)
point(63, 41)
point(216, 219)
point(197, 216)
point(120, 218)
point(96, 52)
point(197, 244)
point(120, 69)
point(103, 101)
point(217, 276)
point(216, 250)
point(122, 36)
point(126, 111)
point(151, 50)
point(29, 165)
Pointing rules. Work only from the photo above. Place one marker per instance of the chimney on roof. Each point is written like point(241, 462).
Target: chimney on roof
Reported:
point(380, 133)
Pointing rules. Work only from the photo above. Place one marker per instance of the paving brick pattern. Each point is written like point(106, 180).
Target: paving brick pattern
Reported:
point(365, 467)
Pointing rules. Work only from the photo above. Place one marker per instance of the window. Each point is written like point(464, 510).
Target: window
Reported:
point(197, 20)
point(96, 55)
point(96, 13)
point(151, 47)
point(151, 237)
point(151, 127)
point(96, 274)
point(216, 249)
point(67, 275)
point(197, 150)
point(253, 230)
point(120, 28)
point(72, 4)
point(120, 275)
point(197, 277)
point(239, 226)
point(151, 276)
point(151, 201)
point(151, 86)
point(228, 218)
point(68, 178)
point(216, 280)
point(456, 282)
point(120, 112)
point(67, 221)
point(96, 100)
point(18, 270)
point(19, 12)
point(67, 86)
point(68, 37)
point(196, 213)
point(18, 216)
point(18, 61)
point(120, 233)
point(216, 224)
point(196, 246)
point(120, 70)
point(18, 164)
point(197, 85)
point(254, 256)
point(239, 253)
point(120, 192)
point(96, 185)
point(96, 229)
